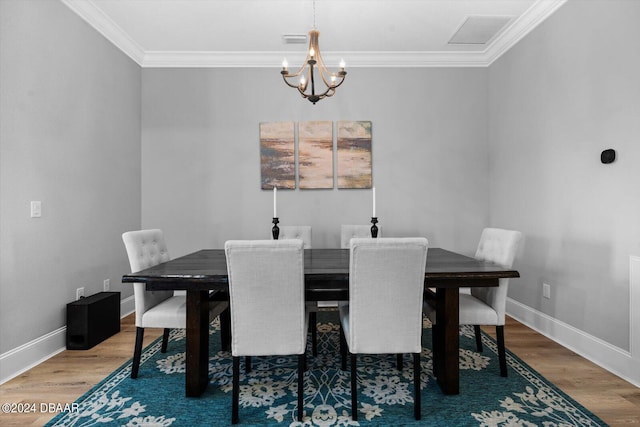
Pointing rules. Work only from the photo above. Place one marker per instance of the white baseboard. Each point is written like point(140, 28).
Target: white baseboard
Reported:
point(20, 359)
point(127, 306)
point(614, 359)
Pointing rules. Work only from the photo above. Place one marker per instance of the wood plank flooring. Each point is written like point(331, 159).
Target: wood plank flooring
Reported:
point(66, 376)
point(615, 401)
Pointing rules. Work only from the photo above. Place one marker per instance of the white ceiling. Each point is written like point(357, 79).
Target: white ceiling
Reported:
point(249, 33)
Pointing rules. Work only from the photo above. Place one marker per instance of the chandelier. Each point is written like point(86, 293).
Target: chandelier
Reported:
point(314, 72)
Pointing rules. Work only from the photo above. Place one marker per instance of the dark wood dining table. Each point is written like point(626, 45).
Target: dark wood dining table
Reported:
point(326, 279)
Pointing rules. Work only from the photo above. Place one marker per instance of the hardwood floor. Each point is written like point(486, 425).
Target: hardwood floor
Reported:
point(66, 376)
point(615, 401)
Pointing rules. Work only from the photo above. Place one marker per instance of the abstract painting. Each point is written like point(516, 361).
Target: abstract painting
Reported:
point(277, 155)
point(354, 154)
point(315, 154)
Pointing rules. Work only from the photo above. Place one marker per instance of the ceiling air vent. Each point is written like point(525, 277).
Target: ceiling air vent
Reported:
point(479, 29)
point(294, 38)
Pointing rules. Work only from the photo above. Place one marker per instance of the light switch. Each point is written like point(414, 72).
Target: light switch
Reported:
point(36, 209)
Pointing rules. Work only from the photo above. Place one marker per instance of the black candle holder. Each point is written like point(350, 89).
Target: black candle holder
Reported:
point(374, 227)
point(275, 231)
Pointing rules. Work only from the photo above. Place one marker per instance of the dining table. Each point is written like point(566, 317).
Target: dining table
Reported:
point(203, 275)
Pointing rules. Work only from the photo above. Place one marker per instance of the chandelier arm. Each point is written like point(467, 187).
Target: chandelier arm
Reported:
point(300, 70)
point(326, 93)
point(322, 68)
point(339, 75)
point(302, 88)
point(341, 80)
point(287, 82)
point(324, 79)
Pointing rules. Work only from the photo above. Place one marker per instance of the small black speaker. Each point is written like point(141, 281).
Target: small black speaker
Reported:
point(92, 320)
point(608, 156)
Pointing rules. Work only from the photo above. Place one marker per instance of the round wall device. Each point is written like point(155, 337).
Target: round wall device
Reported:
point(608, 156)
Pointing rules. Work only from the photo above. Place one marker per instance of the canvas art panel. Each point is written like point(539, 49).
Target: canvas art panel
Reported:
point(315, 154)
point(277, 155)
point(354, 154)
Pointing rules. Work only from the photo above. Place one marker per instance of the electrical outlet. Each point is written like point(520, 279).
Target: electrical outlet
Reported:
point(36, 209)
point(79, 293)
point(106, 284)
point(546, 290)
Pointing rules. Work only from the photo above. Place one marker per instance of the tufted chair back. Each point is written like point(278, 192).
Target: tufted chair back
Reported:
point(348, 232)
point(302, 232)
point(145, 249)
point(499, 246)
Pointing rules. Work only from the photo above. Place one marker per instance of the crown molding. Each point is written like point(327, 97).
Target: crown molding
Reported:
point(88, 11)
point(537, 13)
point(181, 59)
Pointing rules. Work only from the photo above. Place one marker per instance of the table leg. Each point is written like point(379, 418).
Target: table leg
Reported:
point(197, 363)
point(225, 329)
point(447, 340)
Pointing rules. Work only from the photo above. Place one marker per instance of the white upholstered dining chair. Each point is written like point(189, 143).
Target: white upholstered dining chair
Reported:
point(487, 306)
point(268, 314)
point(384, 312)
point(302, 232)
point(348, 232)
point(155, 309)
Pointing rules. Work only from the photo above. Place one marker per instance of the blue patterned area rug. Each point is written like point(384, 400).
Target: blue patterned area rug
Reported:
point(268, 393)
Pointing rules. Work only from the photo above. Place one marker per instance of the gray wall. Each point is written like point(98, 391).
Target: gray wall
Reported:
point(69, 137)
point(567, 91)
point(201, 165)
point(516, 145)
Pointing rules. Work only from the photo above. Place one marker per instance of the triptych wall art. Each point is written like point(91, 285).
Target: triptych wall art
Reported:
point(315, 154)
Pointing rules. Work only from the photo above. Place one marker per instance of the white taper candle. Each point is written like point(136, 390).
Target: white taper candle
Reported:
point(275, 203)
point(374, 202)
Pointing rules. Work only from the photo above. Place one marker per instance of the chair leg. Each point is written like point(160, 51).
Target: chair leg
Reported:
point(476, 329)
point(399, 361)
point(235, 395)
point(301, 364)
point(343, 350)
point(137, 352)
point(165, 340)
point(502, 354)
point(354, 389)
point(247, 364)
point(417, 403)
point(314, 332)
